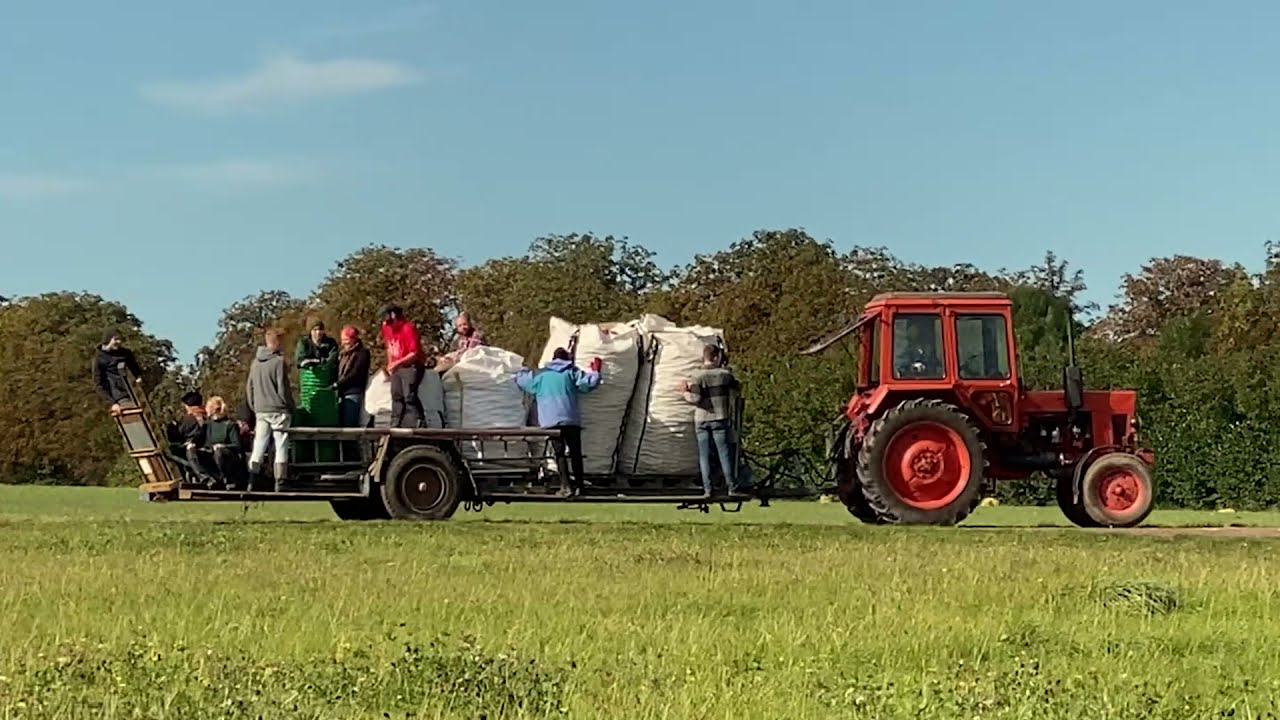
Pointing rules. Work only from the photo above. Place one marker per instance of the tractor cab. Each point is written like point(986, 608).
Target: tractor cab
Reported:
point(939, 412)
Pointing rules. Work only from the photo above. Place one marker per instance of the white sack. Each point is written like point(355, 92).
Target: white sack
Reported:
point(480, 392)
point(603, 409)
point(377, 400)
point(659, 438)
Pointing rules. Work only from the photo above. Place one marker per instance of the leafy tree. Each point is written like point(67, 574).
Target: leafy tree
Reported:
point(223, 366)
point(1166, 288)
point(361, 284)
point(54, 427)
point(577, 277)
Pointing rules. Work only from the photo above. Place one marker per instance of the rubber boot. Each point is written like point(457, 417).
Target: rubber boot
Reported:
point(282, 472)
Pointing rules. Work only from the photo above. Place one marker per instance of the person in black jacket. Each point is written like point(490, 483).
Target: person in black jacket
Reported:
point(109, 363)
point(191, 430)
point(353, 377)
point(316, 348)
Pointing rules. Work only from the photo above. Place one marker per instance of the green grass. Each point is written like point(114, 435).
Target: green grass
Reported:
point(115, 608)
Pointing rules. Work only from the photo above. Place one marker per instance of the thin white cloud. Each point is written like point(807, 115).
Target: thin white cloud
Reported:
point(394, 20)
point(241, 173)
point(20, 185)
point(283, 79)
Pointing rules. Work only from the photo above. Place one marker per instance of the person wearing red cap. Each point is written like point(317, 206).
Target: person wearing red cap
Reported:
point(353, 377)
point(406, 364)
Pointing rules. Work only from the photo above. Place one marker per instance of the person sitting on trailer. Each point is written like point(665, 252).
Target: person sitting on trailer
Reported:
point(406, 364)
point(555, 389)
point(109, 362)
point(190, 433)
point(222, 441)
point(711, 391)
point(316, 348)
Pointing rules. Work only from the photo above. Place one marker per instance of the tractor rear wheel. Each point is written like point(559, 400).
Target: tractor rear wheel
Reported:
point(922, 463)
point(1118, 490)
point(423, 483)
point(844, 474)
point(1073, 509)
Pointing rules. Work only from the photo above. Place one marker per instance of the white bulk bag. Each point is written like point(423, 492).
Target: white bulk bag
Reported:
point(603, 410)
point(659, 438)
point(377, 400)
point(480, 392)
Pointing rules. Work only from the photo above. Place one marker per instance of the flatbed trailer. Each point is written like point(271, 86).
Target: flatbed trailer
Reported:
point(428, 473)
point(417, 473)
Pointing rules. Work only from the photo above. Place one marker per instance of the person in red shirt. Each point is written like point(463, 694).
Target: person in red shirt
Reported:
point(406, 364)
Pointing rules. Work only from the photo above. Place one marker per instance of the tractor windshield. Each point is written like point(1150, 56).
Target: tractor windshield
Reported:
point(917, 347)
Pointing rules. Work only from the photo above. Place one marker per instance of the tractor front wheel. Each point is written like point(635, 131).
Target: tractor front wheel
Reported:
point(921, 463)
point(1073, 509)
point(1118, 491)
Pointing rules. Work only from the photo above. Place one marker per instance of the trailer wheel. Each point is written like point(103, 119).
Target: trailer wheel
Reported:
point(370, 508)
point(1118, 490)
point(922, 463)
point(423, 483)
point(1072, 509)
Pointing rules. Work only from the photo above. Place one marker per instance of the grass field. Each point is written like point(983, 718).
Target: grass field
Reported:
point(113, 608)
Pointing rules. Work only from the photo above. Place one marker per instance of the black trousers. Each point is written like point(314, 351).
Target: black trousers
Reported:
point(404, 396)
point(569, 446)
point(230, 464)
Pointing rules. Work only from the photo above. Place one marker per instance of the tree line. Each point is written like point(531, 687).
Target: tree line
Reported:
point(1195, 336)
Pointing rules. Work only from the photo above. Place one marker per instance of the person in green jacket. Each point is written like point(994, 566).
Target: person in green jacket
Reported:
point(316, 348)
point(222, 440)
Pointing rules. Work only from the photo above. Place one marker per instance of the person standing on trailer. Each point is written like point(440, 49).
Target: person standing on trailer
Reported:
point(555, 389)
point(270, 399)
point(316, 348)
point(353, 377)
point(711, 391)
point(109, 363)
point(406, 364)
point(466, 336)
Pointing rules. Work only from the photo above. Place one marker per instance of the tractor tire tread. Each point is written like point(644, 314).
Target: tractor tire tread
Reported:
point(875, 489)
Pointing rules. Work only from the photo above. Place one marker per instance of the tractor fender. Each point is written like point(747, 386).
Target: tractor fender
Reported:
point(1083, 464)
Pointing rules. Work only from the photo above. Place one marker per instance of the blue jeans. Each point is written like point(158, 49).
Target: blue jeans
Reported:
point(350, 408)
point(716, 436)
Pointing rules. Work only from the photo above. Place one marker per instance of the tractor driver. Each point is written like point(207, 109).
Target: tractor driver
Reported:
point(916, 347)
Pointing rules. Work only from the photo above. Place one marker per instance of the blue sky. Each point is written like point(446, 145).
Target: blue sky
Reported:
point(232, 147)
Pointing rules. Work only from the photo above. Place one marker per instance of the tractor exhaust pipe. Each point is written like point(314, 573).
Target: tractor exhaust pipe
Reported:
point(1072, 378)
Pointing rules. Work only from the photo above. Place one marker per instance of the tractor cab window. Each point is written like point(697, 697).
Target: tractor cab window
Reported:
point(917, 347)
point(982, 347)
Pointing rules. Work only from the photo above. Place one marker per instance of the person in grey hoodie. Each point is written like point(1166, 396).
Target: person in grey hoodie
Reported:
point(271, 400)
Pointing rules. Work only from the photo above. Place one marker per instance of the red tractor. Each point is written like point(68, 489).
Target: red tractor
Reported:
point(940, 411)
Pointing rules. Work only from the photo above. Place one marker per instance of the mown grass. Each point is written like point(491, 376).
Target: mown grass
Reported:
point(113, 608)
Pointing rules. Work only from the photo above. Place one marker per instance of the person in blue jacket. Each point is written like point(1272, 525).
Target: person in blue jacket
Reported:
point(555, 389)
